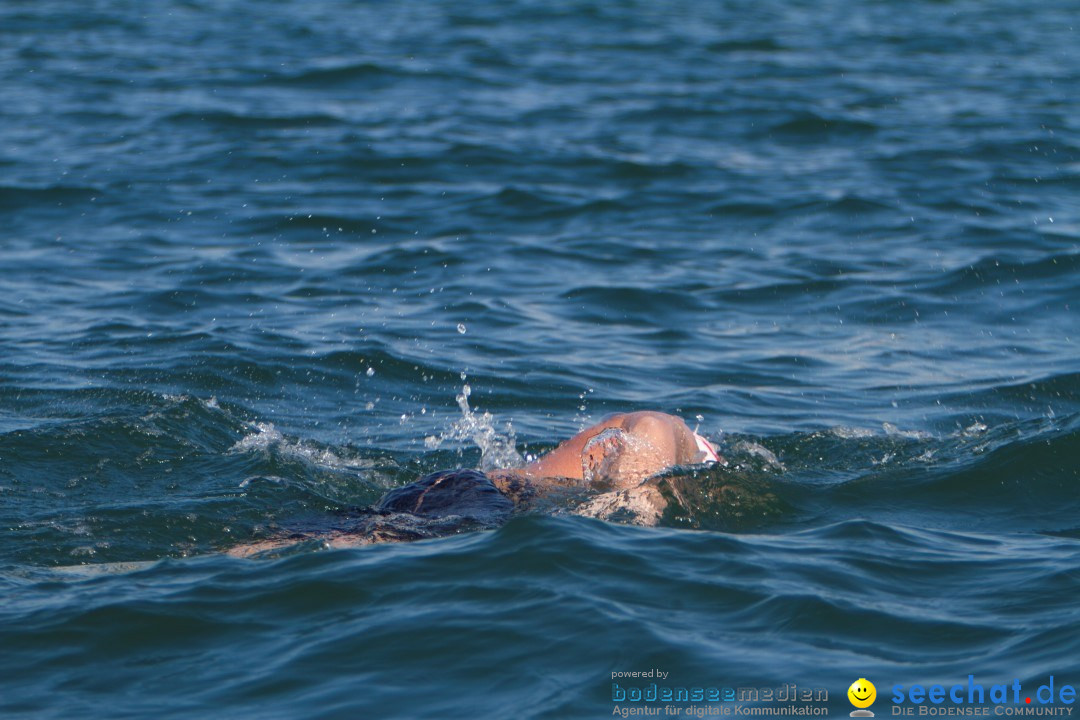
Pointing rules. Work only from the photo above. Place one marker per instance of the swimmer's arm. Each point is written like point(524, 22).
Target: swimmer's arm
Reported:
point(330, 540)
point(668, 439)
point(257, 548)
point(642, 505)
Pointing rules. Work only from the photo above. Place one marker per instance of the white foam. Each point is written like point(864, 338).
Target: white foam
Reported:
point(972, 430)
point(266, 436)
point(850, 433)
point(273, 479)
point(885, 459)
point(752, 448)
point(893, 431)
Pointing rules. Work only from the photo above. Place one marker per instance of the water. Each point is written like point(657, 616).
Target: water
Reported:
point(251, 254)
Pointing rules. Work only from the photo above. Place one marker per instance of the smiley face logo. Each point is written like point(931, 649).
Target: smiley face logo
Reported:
point(862, 694)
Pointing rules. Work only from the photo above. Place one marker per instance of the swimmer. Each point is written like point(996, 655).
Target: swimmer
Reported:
point(618, 455)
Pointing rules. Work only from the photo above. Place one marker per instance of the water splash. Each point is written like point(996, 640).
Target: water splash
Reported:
point(497, 450)
point(601, 453)
point(583, 418)
point(266, 437)
point(893, 431)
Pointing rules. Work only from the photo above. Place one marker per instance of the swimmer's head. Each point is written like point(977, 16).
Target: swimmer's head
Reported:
point(467, 493)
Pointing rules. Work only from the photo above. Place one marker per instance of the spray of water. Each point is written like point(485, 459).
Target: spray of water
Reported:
point(497, 450)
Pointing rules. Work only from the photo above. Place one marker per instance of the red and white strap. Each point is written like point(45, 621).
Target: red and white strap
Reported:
point(705, 447)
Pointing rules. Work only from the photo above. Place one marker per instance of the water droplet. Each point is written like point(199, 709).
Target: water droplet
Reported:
point(461, 328)
point(370, 371)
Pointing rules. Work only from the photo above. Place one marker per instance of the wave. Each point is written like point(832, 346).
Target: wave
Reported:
point(806, 126)
point(1014, 477)
point(628, 304)
point(148, 475)
point(747, 44)
point(707, 607)
point(228, 120)
point(20, 197)
point(1005, 273)
point(364, 74)
point(163, 454)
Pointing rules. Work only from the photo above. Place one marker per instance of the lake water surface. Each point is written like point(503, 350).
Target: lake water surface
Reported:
point(251, 252)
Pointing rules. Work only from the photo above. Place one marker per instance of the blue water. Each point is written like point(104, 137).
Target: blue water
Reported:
point(250, 253)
